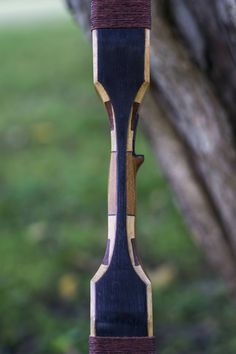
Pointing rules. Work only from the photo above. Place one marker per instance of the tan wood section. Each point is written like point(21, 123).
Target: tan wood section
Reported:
point(133, 162)
point(112, 190)
point(144, 87)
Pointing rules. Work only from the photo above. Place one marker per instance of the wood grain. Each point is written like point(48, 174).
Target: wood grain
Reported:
point(121, 294)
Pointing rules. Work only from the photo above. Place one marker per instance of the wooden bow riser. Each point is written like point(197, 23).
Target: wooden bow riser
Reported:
point(120, 291)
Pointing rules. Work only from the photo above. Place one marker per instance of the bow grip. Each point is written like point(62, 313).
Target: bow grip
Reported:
point(120, 14)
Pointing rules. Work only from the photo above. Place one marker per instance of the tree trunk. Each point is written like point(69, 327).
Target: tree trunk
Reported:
point(189, 116)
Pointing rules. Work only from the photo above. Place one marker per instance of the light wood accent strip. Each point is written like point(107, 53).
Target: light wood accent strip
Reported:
point(130, 138)
point(112, 221)
point(100, 89)
point(112, 189)
point(143, 88)
point(102, 270)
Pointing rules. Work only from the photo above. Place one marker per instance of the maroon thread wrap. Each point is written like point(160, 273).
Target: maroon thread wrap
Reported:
point(122, 345)
point(120, 14)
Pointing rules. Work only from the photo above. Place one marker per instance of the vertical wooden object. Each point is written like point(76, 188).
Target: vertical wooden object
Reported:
point(121, 298)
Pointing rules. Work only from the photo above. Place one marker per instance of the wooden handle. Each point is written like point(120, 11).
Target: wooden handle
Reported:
point(133, 162)
point(121, 299)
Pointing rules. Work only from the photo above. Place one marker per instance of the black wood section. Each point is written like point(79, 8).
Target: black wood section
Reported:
point(121, 301)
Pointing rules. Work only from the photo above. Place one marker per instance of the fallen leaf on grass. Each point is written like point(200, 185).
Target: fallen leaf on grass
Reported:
point(37, 231)
point(163, 276)
point(68, 286)
point(42, 132)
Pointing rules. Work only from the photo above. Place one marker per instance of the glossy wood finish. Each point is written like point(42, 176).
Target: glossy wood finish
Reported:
point(121, 301)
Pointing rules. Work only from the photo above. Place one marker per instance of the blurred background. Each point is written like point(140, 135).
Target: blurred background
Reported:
point(54, 153)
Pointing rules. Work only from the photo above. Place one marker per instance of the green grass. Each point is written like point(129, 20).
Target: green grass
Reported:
point(54, 151)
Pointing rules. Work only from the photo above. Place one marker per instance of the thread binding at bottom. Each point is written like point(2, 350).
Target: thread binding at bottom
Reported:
point(122, 345)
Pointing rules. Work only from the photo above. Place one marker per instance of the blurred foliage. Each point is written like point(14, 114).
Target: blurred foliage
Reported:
point(54, 150)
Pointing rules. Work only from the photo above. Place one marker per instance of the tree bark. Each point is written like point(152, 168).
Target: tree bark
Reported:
point(189, 116)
